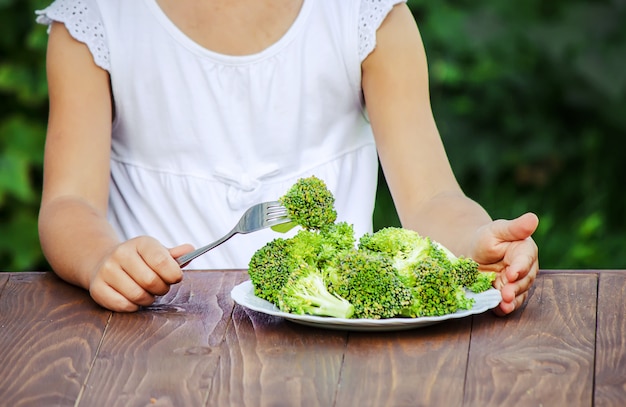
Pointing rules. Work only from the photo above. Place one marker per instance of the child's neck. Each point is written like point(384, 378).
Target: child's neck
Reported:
point(233, 27)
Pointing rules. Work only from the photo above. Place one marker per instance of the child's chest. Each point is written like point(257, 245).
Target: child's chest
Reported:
point(230, 27)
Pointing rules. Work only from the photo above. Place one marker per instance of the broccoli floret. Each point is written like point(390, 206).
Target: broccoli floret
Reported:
point(483, 282)
point(436, 291)
point(465, 269)
point(370, 283)
point(270, 267)
point(310, 203)
point(407, 248)
point(318, 247)
point(322, 270)
point(340, 235)
point(336, 238)
point(305, 246)
point(305, 292)
point(286, 272)
point(404, 247)
point(394, 241)
point(435, 276)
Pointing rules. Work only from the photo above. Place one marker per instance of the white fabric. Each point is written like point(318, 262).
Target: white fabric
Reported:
point(82, 19)
point(84, 22)
point(200, 136)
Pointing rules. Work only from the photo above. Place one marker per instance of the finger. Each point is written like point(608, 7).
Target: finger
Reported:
point(515, 229)
point(509, 292)
point(524, 266)
point(115, 274)
point(514, 294)
point(513, 289)
point(522, 279)
point(129, 286)
point(109, 298)
point(146, 276)
point(160, 262)
point(524, 261)
point(183, 249)
point(505, 308)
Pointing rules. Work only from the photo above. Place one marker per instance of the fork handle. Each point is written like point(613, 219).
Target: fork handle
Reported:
point(185, 259)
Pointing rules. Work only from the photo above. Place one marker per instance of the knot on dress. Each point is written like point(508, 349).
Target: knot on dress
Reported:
point(244, 190)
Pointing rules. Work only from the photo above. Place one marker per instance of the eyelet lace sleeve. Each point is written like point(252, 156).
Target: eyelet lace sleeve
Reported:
point(371, 15)
point(82, 20)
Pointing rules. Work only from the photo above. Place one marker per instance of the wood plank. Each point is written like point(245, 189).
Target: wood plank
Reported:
point(4, 277)
point(420, 367)
point(268, 361)
point(543, 354)
point(610, 389)
point(168, 353)
point(49, 334)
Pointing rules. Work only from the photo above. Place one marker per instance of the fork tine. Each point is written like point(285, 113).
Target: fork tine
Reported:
point(274, 205)
point(275, 209)
point(272, 211)
point(257, 217)
point(275, 213)
point(278, 215)
point(277, 221)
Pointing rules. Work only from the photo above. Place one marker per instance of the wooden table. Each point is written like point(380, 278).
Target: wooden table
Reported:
point(566, 347)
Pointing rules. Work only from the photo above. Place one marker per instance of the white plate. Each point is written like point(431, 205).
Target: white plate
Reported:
point(243, 294)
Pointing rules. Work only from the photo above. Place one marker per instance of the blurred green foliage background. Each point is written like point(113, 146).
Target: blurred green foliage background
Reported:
point(530, 99)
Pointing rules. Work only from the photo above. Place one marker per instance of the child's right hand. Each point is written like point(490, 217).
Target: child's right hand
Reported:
point(134, 272)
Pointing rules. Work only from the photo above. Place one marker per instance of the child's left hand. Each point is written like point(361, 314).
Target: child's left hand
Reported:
point(505, 246)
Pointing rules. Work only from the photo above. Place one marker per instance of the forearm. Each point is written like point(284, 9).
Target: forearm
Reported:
point(425, 191)
point(74, 238)
point(449, 218)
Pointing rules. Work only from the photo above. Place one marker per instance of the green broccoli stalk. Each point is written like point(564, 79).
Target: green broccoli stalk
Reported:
point(305, 292)
point(370, 283)
point(483, 282)
point(310, 204)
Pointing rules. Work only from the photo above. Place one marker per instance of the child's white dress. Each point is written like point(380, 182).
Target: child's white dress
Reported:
point(198, 136)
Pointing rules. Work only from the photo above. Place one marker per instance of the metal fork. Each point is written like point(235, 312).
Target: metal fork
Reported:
point(257, 217)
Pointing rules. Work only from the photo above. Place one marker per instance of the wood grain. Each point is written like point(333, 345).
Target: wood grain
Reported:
point(268, 361)
point(49, 334)
point(4, 277)
point(419, 367)
point(542, 354)
point(194, 347)
point(610, 382)
point(167, 354)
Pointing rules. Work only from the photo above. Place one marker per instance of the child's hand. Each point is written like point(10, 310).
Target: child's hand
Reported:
point(134, 273)
point(505, 246)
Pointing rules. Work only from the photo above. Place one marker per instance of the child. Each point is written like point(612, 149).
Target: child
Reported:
point(168, 118)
